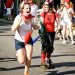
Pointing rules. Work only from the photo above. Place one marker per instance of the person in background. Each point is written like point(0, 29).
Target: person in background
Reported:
point(34, 8)
point(48, 19)
point(71, 5)
point(59, 12)
point(66, 17)
point(42, 8)
point(51, 3)
point(22, 25)
point(8, 6)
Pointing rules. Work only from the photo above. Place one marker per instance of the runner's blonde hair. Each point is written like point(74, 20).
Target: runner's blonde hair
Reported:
point(71, 4)
point(22, 5)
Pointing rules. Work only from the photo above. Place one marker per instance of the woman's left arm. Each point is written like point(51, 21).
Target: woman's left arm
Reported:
point(35, 27)
point(72, 12)
point(34, 24)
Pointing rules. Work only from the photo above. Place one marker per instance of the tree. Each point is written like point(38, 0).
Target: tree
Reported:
point(2, 8)
point(15, 9)
point(39, 2)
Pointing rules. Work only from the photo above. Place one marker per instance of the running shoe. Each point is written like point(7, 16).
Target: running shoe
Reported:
point(49, 64)
point(64, 41)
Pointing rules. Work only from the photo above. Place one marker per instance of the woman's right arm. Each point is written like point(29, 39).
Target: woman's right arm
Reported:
point(16, 24)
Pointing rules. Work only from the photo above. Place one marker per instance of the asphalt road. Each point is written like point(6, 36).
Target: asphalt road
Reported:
point(63, 56)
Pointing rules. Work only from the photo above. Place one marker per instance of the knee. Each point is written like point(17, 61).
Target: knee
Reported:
point(29, 58)
point(21, 61)
point(51, 49)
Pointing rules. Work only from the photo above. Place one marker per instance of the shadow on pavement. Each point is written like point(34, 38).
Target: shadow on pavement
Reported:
point(32, 66)
point(7, 59)
point(64, 64)
point(34, 57)
point(4, 30)
point(9, 69)
point(16, 68)
point(5, 22)
point(61, 55)
point(51, 72)
point(60, 73)
point(67, 72)
point(7, 35)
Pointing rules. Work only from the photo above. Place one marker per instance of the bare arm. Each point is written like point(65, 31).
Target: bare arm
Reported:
point(35, 27)
point(34, 24)
point(15, 25)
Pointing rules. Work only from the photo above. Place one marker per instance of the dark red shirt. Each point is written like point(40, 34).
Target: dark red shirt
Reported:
point(9, 3)
point(49, 21)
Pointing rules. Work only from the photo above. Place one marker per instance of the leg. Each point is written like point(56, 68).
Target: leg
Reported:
point(59, 31)
point(21, 54)
point(50, 49)
point(43, 62)
point(64, 33)
point(29, 50)
point(71, 32)
point(48, 60)
point(43, 53)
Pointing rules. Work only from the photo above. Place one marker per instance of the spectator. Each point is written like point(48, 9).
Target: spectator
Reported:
point(59, 12)
point(66, 17)
point(34, 8)
point(8, 5)
point(47, 37)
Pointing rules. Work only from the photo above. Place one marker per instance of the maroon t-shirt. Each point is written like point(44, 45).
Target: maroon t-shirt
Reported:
point(49, 21)
point(9, 3)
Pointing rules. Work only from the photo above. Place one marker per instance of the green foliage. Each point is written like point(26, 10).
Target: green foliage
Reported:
point(34, 1)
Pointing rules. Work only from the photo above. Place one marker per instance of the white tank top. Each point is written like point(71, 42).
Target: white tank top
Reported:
point(22, 30)
point(67, 15)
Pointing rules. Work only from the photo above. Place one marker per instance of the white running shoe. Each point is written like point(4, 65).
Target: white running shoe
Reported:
point(64, 41)
point(72, 42)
